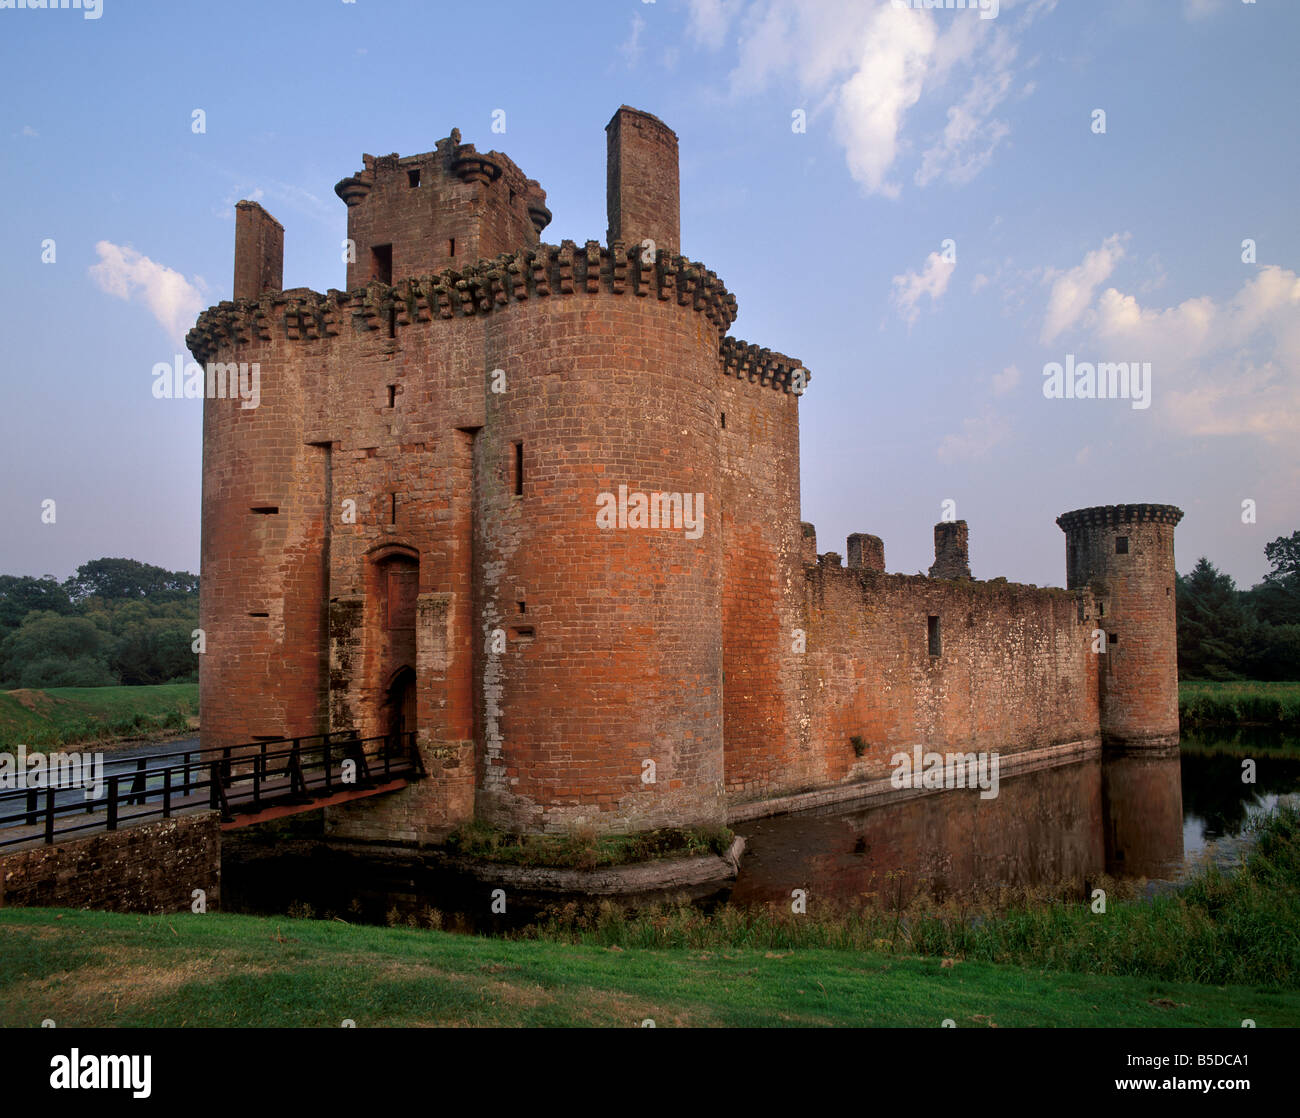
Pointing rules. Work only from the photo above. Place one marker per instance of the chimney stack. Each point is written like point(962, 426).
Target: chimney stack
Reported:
point(642, 191)
point(951, 556)
point(259, 252)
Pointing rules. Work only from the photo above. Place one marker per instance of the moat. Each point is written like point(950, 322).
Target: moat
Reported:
point(1059, 828)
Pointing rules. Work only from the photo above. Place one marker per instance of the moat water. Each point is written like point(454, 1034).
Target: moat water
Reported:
point(1060, 828)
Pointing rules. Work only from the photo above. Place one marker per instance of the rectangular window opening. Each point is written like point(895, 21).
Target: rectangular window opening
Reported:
point(1121, 545)
point(519, 469)
point(451, 247)
point(523, 607)
point(413, 176)
point(392, 395)
point(724, 420)
point(523, 633)
point(381, 263)
point(936, 642)
point(265, 510)
point(252, 613)
point(392, 508)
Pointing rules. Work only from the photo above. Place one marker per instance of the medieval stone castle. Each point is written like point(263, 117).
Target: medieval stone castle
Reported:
point(534, 504)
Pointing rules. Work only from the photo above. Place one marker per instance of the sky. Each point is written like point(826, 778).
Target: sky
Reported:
point(932, 209)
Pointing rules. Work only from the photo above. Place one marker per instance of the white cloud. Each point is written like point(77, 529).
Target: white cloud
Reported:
point(630, 48)
point(1006, 380)
point(1072, 291)
point(932, 280)
point(870, 64)
point(979, 283)
point(709, 20)
point(972, 133)
point(979, 435)
point(170, 297)
point(28, 130)
point(1225, 368)
point(1200, 9)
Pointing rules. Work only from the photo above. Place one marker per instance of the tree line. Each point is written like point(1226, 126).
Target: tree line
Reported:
point(116, 621)
point(1225, 633)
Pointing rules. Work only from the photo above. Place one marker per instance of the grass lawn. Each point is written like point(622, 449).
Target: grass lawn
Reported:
point(103, 969)
point(67, 715)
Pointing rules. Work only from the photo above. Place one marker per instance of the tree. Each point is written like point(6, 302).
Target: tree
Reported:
point(21, 594)
point(1276, 600)
point(114, 579)
point(1215, 634)
point(52, 651)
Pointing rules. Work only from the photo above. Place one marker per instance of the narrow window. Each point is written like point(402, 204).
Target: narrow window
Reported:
point(523, 607)
point(253, 613)
point(392, 508)
point(1121, 545)
point(265, 510)
point(392, 395)
point(936, 644)
point(451, 247)
point(1112, 638)
point(381, 263)
point(724, 420)
point(413, 176)
point(519, 469)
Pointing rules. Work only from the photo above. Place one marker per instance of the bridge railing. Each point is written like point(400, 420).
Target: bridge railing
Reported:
point(234, 780)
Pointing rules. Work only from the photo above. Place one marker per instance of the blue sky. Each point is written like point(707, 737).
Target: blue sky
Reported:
point(922, 127)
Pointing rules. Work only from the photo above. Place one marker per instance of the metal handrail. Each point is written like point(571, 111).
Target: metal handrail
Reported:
point(235, 779)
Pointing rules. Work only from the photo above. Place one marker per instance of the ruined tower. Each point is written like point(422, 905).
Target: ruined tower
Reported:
point(1123, 555)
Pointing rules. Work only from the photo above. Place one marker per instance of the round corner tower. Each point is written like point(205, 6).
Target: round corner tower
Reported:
point(1123, 555)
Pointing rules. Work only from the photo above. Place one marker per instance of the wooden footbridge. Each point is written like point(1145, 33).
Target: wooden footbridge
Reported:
point(247, 784)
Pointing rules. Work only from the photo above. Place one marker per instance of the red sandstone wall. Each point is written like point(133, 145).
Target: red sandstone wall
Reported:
point(262, 675)
point(624, 663)
point(761, 600)
point(1015, 673)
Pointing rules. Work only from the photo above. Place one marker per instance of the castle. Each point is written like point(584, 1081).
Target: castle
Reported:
point(534, 503)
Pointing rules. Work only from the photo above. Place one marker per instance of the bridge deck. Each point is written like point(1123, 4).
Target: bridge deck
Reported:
point(248, 784)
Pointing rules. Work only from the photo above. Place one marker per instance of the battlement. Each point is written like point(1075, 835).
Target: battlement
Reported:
point(758, 365)
point(1103, 516)
point(487, 287)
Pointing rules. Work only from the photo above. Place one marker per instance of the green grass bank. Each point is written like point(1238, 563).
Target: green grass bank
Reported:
point(1236, 704)
point(62, 716)
point(1225, 949)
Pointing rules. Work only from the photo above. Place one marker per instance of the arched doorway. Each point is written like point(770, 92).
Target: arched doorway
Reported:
point(399, 706)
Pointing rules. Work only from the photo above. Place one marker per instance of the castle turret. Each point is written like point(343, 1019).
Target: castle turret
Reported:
point(1124, 556)
point(418, 215)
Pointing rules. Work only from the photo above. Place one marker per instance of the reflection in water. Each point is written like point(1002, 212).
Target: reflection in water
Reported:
point(1059, 828)
point(1142, 816)
point(1043, 827)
